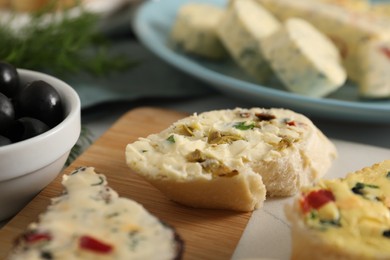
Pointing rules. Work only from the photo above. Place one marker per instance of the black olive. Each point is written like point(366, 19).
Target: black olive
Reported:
point(41, 101)
point(6, 125)
point(28, 127)
point(9, 80)
point(4, 140)
point(6, 107)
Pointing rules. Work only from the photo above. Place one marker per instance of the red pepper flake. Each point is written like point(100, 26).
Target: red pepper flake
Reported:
point(304, 205)
point(385, 51)
point(36, 237)
point(95, 245)
point(316, 199)
point(291, 123)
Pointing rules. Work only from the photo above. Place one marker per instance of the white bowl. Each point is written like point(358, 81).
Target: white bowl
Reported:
point(26, 167)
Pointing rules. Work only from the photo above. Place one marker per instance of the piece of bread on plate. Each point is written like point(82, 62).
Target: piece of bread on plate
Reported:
point(90, 221)
point(195, 30)
point(230, 159)
point(346, 218)
point(242, 28)
point(304, 59)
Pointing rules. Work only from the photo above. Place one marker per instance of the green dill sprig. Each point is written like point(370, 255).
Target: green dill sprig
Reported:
point(60, 43)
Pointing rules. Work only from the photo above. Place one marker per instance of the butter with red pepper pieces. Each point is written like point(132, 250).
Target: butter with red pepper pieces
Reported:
point(348, 217)
point(90, 221)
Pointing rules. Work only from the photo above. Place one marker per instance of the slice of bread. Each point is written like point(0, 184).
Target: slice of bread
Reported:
point(229, 159)
point(304, 59)
point(346, 218)
point(90, 221)
point(196, 33)
point(242, 28)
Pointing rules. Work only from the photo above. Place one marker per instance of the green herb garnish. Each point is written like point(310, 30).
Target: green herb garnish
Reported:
point(388, 175)
point(60, 45)
point(171, 139)
point(359, 187)
point(244, 126)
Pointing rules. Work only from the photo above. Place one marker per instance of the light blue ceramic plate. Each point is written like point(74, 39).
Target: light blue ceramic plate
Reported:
point(152, 24)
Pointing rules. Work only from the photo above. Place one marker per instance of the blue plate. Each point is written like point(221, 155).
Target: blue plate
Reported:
point(152, 24)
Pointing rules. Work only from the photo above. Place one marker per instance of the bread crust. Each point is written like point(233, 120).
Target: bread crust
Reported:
point(273, 152)
point(241, 192)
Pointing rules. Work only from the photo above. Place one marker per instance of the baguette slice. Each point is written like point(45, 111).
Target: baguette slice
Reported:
point(375, 62)
point(229, 159)
point(345, 218)
point(90, 221)
point(196, 33)
point(358, 5)
point(305, 60)
point(347, 28)
point(241, 29)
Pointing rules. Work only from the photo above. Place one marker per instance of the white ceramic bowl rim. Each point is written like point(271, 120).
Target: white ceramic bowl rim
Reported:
point(72, 118)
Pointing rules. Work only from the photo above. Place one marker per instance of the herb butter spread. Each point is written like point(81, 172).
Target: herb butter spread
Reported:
point(90, 221)
point(195, 30)
point(375, 62)
point(281, 146)
point(349, 216)
point(241, 29)
point(304, 59)
point(348, 29)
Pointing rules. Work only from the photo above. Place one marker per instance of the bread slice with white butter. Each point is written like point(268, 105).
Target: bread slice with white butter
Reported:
point(230, 159)
point(195, 30)
point(347, 29)
point(241, 29)
point(375, 76)
point(90, 221)
point(304, 59)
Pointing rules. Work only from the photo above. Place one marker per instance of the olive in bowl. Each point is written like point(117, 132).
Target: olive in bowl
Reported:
point(29, 164)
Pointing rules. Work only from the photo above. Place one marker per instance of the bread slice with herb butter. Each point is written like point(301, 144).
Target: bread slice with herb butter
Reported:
point(90, 221)
point(241, 29)
point(375, 62)
point(230, 159)
point(304, 59)
point(346, 218)
point(195, 30)
point(347, 28)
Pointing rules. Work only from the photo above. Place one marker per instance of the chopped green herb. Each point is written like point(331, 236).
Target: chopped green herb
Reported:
point(114, 214)
point(388, 175)
point(359, 186)
point(144, 151)
point(243, 126)
point(313, 214)
point(171, 139)
point(386, 233)
point(46, 255)
point(335, 223)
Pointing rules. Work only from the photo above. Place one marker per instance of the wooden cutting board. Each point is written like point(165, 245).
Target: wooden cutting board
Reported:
point(208, 234)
